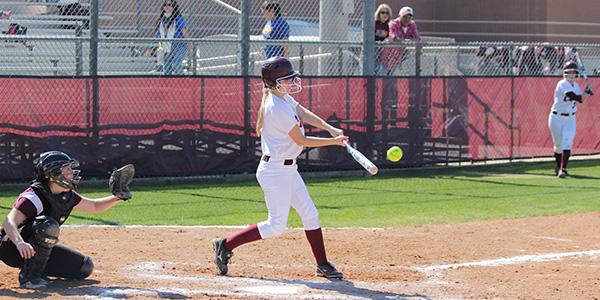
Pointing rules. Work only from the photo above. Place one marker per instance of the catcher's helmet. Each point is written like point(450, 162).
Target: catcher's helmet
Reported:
point(50, 164)
point(275, 69)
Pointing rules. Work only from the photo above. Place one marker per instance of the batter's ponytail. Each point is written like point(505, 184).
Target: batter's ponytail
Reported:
point(261, 118)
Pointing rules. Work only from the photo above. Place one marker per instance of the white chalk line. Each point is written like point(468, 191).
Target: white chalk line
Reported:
point(551, 238)
point(435, 273)
point(214, 227)
point(515, 260)
point(213, 285)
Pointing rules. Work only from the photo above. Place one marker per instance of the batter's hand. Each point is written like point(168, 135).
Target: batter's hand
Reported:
point(25, 250)
point(335, 132)
point(340, 140)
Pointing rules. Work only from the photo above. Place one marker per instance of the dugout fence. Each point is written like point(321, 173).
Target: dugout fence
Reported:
point(83, 84)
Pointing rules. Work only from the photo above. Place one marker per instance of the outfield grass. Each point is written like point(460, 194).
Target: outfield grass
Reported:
point(409, 197)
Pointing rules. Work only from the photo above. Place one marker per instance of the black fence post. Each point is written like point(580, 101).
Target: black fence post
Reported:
point(94, 71)
point(368, 73)
point(244, 32)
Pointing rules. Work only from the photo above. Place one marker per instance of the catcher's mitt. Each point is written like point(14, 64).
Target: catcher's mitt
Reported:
point(120, 180)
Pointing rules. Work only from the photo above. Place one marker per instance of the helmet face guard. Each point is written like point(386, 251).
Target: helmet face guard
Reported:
point(571, 71)
point(571, 74)
point(294, 88)
point(61, 175)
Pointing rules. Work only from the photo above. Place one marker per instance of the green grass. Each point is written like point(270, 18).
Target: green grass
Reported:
point(408, 197)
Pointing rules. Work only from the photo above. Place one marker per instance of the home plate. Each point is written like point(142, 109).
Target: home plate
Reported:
point(272, 289)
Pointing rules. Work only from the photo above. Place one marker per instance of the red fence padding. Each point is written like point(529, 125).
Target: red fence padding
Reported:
point(42, 107)
point(502, 116)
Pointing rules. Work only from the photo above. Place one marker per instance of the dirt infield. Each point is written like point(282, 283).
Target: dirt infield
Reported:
point(533, 258)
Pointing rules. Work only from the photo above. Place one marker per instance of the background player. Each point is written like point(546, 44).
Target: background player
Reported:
point(31, 228)
point(562, 120)
point(280, 127)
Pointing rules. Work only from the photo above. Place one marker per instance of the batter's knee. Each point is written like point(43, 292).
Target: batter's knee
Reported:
point(311, 221)
point(277, 227)
point(86, 268)
point(271, 228)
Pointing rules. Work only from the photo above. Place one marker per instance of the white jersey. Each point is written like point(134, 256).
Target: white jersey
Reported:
point(280, 117)
point(561, 105)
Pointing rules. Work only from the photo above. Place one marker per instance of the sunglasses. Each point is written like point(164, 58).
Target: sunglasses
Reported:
point(168, 4)
point(408, 16)
point(384, 13)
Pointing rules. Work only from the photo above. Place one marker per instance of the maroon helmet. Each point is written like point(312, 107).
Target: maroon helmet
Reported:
point(571, 70)
point(275, 69)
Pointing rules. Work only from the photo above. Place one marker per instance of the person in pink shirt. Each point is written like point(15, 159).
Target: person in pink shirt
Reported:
point(401, 28)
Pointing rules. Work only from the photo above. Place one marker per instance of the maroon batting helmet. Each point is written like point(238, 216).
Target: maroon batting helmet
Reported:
point(570, 66)
point(275, 69)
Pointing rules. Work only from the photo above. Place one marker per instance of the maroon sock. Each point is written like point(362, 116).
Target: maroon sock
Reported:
point(558, 158)
point(244, 236)
point(315, 239)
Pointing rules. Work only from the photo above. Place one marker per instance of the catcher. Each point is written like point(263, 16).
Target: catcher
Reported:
point(29, 234)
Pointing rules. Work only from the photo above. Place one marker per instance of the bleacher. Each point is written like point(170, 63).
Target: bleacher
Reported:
point(50, 47)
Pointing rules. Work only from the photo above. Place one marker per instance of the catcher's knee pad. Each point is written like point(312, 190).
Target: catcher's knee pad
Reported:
point(45, 232)
point(86, 268)
point(45, 236)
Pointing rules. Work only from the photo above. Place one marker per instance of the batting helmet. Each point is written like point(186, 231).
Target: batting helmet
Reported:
point(570, 66)
point(50, 164)
point(275, 69)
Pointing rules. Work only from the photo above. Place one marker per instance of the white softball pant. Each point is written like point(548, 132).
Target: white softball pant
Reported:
point(283, 187)
point(563, 130)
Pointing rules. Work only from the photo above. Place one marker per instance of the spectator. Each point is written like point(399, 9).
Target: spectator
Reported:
point(276, 28)
point(171, 25)
point(401, 28)
point(382, 31)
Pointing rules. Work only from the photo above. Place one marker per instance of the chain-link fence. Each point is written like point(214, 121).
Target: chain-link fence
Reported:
point(441, 101)
point(322, 37)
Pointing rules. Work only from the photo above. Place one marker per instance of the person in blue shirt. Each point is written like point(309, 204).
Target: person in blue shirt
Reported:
point(276, 28)
point(171, 25)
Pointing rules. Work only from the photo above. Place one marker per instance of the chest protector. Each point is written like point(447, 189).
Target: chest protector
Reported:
point(57, 206)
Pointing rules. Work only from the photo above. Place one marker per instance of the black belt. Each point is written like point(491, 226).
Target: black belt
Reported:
point(562, 114)
point(287, 162)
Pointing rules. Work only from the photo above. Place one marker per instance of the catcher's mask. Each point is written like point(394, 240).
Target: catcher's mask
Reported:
point(58, 167)
point(571, 71)
point(276, 69)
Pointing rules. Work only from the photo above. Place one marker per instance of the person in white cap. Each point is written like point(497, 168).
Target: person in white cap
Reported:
point(401, 28)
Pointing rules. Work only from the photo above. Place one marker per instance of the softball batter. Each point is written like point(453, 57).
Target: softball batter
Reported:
point(562, 120)
point(280, 127)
